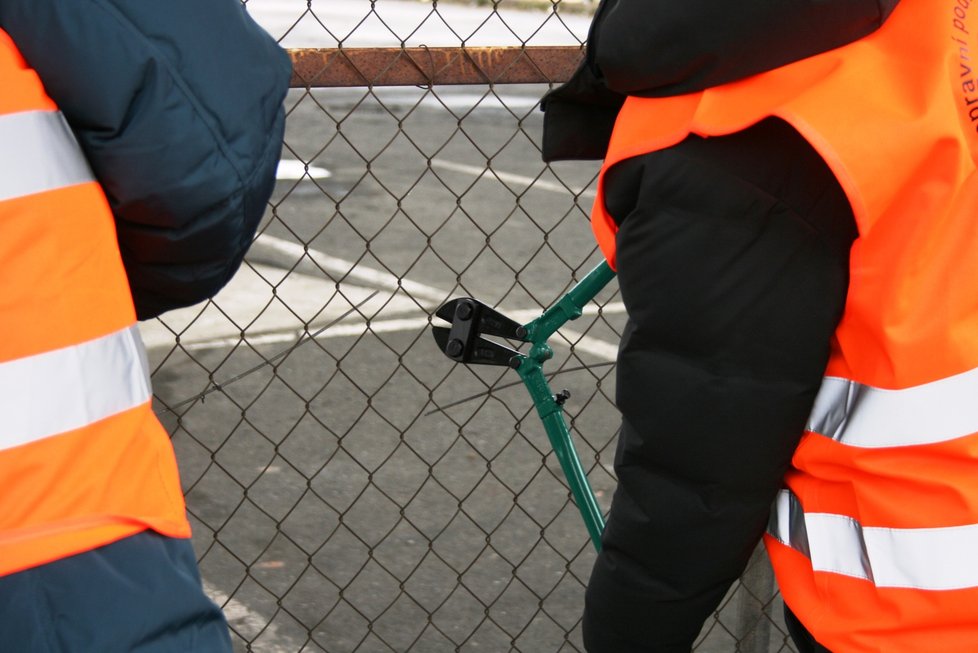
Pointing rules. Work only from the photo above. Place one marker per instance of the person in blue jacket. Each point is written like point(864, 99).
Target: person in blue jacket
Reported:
point(178, 107)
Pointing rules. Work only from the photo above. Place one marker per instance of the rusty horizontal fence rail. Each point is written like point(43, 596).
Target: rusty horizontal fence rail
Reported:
point(424, 66)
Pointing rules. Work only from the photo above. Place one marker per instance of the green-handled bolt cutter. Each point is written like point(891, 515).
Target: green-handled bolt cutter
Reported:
point(464, 342)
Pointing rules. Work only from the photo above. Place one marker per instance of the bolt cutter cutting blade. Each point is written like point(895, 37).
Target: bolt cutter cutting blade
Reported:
point(447, 310)
point(471, 319)
point(479, 352)
point(484, 319)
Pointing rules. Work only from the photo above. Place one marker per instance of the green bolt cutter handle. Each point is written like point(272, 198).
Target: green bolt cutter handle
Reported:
point(464, 343)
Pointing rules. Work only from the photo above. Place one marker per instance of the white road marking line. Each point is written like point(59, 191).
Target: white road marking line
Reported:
point(293, 170)
point(528, 182)
point(595, 346)
point(351, 271)
point(588, 344)
point(250, 624)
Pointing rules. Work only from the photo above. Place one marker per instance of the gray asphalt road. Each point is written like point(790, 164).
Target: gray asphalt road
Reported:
point(332, 512)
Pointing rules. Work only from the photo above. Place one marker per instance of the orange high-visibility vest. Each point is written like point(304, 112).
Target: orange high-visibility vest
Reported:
point(875, 539)
point(83, 459)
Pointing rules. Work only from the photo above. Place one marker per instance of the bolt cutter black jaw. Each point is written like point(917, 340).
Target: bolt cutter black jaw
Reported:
point(471, 319)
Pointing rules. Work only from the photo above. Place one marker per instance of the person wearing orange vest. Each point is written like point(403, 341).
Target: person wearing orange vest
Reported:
point(138, 145)
point(788, 194)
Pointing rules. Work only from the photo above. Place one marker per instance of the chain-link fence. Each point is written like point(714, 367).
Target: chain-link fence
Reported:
point(352, 489)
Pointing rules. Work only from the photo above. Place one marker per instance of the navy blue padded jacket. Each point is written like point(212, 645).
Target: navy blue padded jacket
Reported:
point(178, 106)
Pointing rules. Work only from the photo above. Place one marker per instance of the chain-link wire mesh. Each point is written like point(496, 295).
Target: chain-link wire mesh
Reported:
point(342, 500)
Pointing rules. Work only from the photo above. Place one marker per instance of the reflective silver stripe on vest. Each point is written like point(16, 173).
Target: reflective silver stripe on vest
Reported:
point(917, 558)
point(39, 153)
point(69, 388)
point(863, 416)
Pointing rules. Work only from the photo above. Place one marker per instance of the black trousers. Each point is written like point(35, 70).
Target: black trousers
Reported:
point(733, 260)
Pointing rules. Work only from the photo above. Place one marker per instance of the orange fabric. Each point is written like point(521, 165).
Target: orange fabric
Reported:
point(911, 313)
point(907, 120)
point(60, 268)
point(928, 621)
point(62, 284)
point(923, 486)
point(87, 487)
point(895, 116)
point(22, 90)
